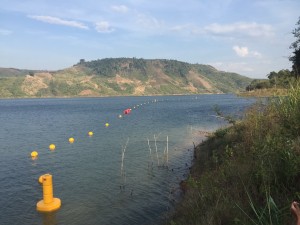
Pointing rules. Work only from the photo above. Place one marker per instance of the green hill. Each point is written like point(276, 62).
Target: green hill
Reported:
point(120, 76)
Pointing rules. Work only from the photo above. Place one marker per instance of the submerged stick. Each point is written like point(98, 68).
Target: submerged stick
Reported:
point(156, 150)
point(123, 156)
point(165, 156)
point(150, 154)
point(123, 174)
point(167, 150)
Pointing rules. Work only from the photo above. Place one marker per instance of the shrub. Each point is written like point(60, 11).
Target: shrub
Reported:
point(248, 173)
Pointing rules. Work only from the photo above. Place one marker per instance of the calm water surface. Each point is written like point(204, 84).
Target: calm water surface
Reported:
point(87, 174)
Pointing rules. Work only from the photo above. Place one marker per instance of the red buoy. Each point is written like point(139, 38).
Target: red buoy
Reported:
point(127, 111)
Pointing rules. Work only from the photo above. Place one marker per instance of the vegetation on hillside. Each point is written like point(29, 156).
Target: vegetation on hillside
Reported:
point(248, 173)
point(145, 69)
point(108, 67)
point(121, 76)
point(12, 72)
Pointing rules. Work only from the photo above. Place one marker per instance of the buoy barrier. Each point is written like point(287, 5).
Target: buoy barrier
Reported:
point(48, 203)
point(52, 147)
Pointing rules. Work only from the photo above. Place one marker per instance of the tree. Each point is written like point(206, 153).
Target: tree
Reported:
point(82, 61)
point(295, 58)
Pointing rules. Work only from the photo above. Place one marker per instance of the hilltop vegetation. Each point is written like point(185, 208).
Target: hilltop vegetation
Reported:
point(120, 76)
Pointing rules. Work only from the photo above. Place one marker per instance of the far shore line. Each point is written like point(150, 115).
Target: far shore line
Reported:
point(109, 96)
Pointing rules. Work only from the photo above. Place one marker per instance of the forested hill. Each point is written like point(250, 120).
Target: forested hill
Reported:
point(120, 76)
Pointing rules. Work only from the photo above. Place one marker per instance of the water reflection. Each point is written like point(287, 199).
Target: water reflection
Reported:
point(49, 218)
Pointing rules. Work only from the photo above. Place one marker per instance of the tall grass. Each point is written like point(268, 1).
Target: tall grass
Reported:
point(248, 173)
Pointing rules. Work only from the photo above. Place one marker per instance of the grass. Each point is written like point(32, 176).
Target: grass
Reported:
point(248, 173)
point(267, 92)
point(10, 87)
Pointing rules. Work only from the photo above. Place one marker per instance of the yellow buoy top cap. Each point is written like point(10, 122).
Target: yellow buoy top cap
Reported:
point(52, 146)
point(71, 140)
point(45, 178)
point(34, 154)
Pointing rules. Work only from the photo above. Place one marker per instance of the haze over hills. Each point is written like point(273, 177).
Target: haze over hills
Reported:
point(120, 76)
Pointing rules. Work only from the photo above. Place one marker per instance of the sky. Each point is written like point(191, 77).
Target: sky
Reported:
point(249, 37)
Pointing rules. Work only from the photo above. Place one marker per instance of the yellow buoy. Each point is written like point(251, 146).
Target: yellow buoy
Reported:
point(52, 147)
point(48, 203)
point(71, 140)
point(90, 133)
point(107, 124)
point(34, 154)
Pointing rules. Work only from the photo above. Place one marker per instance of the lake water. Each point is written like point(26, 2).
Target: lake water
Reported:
point(87, 174)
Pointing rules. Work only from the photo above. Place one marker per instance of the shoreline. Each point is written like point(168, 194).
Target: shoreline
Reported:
point(111, 96)
point(202, 137)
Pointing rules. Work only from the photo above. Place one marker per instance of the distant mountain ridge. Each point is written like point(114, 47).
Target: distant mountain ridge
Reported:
point(120, 76)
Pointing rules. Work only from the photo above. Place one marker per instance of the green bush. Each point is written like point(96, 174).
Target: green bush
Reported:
point(248, 173)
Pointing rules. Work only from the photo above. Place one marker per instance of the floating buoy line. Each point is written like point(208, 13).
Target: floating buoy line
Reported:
point(50, 204)
point(34, 154)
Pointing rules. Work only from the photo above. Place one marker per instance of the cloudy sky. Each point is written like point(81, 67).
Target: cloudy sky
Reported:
point(250, 37)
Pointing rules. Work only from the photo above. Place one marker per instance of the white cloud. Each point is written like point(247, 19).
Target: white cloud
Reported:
point(120, 8)
point(149, 21)
point(244, 52)
point(58, 21)
point(179, 28)
point(240, 28)
point(5, 32)
point(241, 51)
point(256, 54)
point(103, 27)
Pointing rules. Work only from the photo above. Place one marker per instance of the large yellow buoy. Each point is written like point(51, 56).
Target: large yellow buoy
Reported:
point(52, 147)
point(71, 140)
point(107, 125)
point(48, 203)
point(90, 133)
